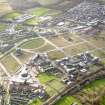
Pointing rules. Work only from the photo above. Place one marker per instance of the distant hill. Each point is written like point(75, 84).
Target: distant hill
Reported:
point(26, 4)
point(65, 4)
point(23, 4)
point(48, 2)
point(3, 1)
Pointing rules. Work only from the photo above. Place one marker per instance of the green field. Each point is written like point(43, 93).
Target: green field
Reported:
point(2, 27)
point(47, 2)
point(10, 63)
point(53, 12)
point(99, 53)
point(103, 61)
point(32, 21)
point(32, 44)
point(54, 55)
point(24, 57)
point(39, 11)
point(52, 83)
point(19, 27)
point(67, 100)
point(45, 48)
point(44, 77)
point(12, 15)
point(103, 101)
point(36, 102)
point(0, 53)
point(96, 83)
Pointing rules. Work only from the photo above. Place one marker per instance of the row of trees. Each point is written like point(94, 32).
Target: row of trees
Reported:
point(94, 96)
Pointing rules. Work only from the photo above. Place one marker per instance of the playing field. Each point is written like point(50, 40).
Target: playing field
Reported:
point(24, 57)
point(44, 77)
point(33, 43)
point(10, 64)
point(45, 48)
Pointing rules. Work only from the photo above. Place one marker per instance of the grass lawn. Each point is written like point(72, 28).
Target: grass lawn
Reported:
point(12, 15)
point(32, 44)
point(39, 11)
point(32, 21)
point(2, 27)
point(45, 48)
point(67, 100)
point(77, 49)
point(57, 85)
point(96, 83)
point(53, 12)
point(51, 91)
point(19, 27)
point(10, 63)
point(97, 41)
point(93, 68)
point(44, 77)
point(52, 83)
point(99, 53)
point(36, 102)
point(103, 101)
point(59, 41)
point(24, 57)
point(74, 39)
point(54, 55)
point(0, 53)
point(103, 61)
point(84, 47)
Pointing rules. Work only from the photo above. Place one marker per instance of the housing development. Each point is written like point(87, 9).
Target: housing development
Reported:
point(52, 52)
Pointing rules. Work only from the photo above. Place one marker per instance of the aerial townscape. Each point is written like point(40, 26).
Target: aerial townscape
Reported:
point(52, 52)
